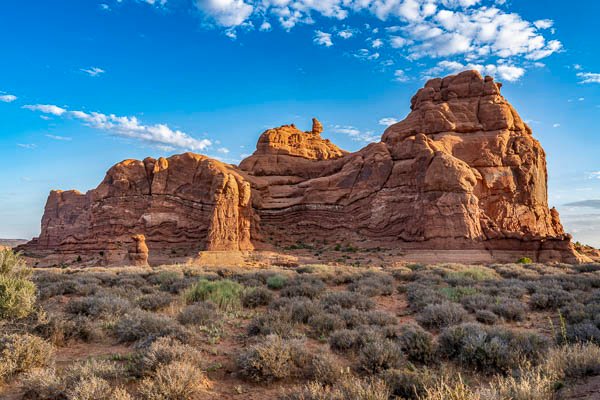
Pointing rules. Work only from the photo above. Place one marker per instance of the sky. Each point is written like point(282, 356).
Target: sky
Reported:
point(86, 84)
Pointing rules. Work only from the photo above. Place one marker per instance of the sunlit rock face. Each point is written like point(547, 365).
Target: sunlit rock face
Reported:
point(462, 171)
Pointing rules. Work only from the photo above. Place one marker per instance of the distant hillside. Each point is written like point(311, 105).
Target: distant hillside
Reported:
point(12, 242)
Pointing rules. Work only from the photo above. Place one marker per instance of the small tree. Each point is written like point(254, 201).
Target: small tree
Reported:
point(17, 291)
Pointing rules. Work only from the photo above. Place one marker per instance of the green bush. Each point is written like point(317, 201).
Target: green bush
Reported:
point(17, 292)
point(226, 294)
point(416, 343)
point(256, 297)
point(524, 260)
point(276, 282)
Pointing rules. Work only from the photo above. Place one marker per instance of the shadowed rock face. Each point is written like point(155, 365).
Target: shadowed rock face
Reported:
point(462, 171)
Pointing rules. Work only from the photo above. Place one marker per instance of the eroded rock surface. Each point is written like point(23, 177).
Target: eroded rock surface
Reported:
point(462, 171)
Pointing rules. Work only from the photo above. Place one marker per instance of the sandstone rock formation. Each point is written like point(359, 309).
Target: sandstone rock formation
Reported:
point(138, 253)
point(462, 171)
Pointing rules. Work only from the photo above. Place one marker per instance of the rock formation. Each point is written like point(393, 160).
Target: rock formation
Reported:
point(462, 171)
point(138, 253)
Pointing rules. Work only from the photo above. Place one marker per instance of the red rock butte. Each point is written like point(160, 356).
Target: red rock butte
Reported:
point(461, 172)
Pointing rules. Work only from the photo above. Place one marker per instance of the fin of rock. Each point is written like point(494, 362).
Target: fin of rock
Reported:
point(461, 172)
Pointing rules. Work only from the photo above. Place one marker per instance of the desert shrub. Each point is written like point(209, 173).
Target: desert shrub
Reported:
point(416, 343)
point(153, 301)
point(573, 361)
point(22, 353)
point(444, 390)
point(355, 318)
point(580, 333)
point(437, 316)
point(273, 359)
point(45, 384)
point(225, 294)
point(344, 340)
point(490, 349)
point(421, 295)
point(350, 387)
point(201, 313)
point(456, 293)
point(325, 369)
point(167, 280)
point(408, 384)
point(163, 351)
point(256, 297)
point(574, 313)
point(177, 380)
point(373, 284)
point(17, 291)
point(301, 310)
point(276, 282)
point(322, 324)
point(12, 264)
point(524, 260)
point(139, 325)
point(380, 318)
point(17, 297)
point(509, 309)
point(486, 317)
point(528, 384)
point(380, 355)
point(303, 286)
point(550, 299)
point(477, 302)
point(272, 322)
point(346, 300)
point(60, 329)
point(471, 274)
point(98, 306)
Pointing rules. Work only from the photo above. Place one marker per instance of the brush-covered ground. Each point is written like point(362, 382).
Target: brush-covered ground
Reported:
point(314, 332)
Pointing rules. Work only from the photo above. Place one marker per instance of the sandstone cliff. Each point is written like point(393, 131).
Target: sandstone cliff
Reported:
point(462, 171)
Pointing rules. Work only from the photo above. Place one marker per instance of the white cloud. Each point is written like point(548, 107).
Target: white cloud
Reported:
point(508, 72)
point(265, 26)
point(588, 77)
point(223, 150)
point(323, 39)
point(129, 127)
point(46, 109)
point(400, 76)
point(556, 126)
point(228, 13)
point(60, 138)
point(544, 23)
point(365, 54)
point(7, 98)
point(346, 34)
point(388, 121)
point(93, 71)
point(377, 43)
point(577, 67)
point(356, 134)
point(398, 42)
point(28, 146)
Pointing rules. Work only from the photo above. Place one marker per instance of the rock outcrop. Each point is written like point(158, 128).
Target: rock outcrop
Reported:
point(462, 171)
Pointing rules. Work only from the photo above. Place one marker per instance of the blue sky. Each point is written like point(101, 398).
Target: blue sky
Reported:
point(86, 84)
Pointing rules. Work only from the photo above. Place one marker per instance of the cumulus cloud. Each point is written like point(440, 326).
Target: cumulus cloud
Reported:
point(7, 98)
point(323, 39)
point(159, 135)
point(227, 13)
point(471, 31)
point(46, 109)
point(388, 121)
point(356, 134)
point(588, 77)
point(93, 71)
point(507, 72)
point(400, 76)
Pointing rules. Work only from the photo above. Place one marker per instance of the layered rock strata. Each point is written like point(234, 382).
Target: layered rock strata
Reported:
point(462, 171)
